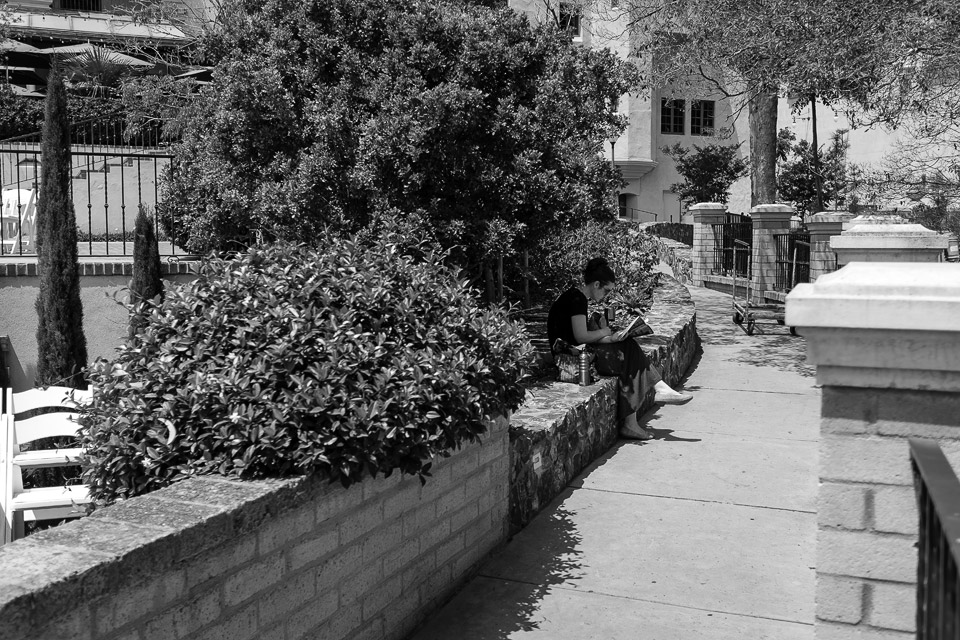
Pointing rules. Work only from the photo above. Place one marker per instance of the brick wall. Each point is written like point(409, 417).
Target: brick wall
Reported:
point(867, 511)
point(211, 558)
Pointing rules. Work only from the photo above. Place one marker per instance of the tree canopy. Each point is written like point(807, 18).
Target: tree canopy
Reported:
point(329, 113)
point(707, 171)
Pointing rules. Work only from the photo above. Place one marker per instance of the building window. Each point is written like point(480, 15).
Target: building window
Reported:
point(671, 116)
point(79, 5)
point(569, 18)
point(701, 117)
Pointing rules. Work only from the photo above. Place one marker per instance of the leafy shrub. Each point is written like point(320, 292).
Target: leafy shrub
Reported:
point(631, 254)
point(365, 356)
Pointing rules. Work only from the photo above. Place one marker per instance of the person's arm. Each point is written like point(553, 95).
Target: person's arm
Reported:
point(585, 336)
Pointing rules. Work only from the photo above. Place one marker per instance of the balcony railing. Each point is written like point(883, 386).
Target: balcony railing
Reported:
point(938, 501)
point(78, 5)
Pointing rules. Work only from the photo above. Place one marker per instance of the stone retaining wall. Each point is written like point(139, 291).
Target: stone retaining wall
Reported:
point(563, 427)
point(211, 558)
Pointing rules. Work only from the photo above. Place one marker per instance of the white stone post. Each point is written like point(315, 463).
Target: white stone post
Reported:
point(885, 338)
point(705, 215)
point(823, 226)
point(887, 239)
point(768, 219)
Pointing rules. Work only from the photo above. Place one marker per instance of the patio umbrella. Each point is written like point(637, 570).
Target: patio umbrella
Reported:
point(21, 54)
point(95, 52)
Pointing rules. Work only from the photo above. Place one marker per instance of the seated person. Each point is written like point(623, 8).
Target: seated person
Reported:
point(615, 355)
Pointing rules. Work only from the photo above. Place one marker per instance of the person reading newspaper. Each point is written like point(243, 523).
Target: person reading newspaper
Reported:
point(616, 355)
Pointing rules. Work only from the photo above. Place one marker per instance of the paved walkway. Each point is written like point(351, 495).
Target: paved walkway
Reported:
point(707, 532)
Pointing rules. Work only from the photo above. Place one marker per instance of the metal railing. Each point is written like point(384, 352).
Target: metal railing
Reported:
point(938, 502)
point(113, 174)
point(728, 259)
point(793, 260)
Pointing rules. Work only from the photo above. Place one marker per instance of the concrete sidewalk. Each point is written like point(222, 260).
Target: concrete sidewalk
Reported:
point(706, 532)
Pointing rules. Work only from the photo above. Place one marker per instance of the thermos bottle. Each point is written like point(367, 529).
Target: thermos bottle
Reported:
point(584, 368)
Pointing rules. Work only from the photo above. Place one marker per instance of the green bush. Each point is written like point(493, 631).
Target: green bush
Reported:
point(631, 254)
point(365, 356)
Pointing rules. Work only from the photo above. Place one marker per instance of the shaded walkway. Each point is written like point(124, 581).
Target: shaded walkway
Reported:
point(707, 532)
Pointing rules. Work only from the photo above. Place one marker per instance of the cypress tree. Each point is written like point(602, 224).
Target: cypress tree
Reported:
point(61, 345)
point(146, 283)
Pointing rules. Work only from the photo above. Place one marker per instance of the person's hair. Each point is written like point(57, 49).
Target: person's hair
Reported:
point(598, 269)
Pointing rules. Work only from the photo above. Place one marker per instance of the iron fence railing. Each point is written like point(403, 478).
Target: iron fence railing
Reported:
point(113, 174)
point(793, 259)
point(938, 502)
point(726, 260)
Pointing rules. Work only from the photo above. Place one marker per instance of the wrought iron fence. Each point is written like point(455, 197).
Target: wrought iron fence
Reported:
point(938, 501)
point(793, 259)
point(728, 258)
point(113, 174)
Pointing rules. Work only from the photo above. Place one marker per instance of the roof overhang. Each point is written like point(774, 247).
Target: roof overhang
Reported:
point(92, 27)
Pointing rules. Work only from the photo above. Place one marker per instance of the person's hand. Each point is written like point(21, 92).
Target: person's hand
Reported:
point(619, 336)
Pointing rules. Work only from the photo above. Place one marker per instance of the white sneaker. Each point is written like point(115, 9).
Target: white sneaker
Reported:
point(677, 397)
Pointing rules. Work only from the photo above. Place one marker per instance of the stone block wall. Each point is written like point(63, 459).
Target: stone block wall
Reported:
point(561, 428)
point(884, 339)
point(212, 558)
point(867, 513)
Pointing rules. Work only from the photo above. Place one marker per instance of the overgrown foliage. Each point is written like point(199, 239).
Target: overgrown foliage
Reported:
point(327, 114)
point(630, 252)
point(61, 344)
point(146, 283)
point(367, 355)
point(708, 171)
point(21, 115)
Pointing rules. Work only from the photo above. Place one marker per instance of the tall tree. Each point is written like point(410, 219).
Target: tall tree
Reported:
point(707, 171)
point(146, 284)
point(330, 113)
point(61, 344)
point(801, 180)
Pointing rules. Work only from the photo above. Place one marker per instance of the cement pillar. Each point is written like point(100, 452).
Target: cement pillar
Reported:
point(887, 240)
point(886, 343)
point(768, 219)
point(822, 227)
point(705, 215)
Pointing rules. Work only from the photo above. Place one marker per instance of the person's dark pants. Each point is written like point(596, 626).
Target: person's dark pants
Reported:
point(629, 363)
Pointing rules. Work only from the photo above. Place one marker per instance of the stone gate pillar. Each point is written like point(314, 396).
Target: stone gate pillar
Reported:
point(768, 219)
point(886, 343)
point(705, 215)
point(823, 226)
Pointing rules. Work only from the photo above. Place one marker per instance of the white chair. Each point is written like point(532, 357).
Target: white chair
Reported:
point(21, 505)
point(17, 221)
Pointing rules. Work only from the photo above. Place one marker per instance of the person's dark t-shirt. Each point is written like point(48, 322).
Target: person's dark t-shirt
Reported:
point(571, 303)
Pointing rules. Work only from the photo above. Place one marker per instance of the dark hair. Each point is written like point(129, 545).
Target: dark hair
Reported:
point(598, 269)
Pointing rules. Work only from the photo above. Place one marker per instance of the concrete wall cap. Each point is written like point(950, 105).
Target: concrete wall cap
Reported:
point(829, 217)
point(707, 206)
point(889, 229)
point(920, 296)
point(772, 208)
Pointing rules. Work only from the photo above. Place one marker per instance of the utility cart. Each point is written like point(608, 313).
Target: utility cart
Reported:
point(747, 314)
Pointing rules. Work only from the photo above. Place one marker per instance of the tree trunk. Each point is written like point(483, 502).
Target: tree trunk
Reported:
point(763, 148)
point(499, 279)
point(488, 281)
point(526, 279)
